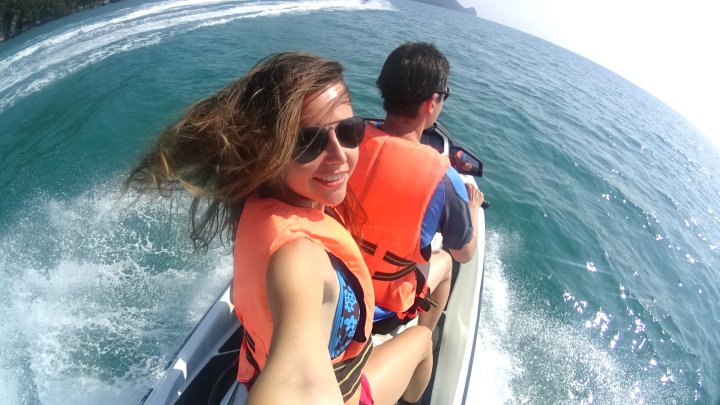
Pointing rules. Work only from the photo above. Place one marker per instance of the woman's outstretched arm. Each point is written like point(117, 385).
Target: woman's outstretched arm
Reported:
point(302, 292)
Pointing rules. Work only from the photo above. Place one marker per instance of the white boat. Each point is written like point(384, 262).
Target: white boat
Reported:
point(204, 370)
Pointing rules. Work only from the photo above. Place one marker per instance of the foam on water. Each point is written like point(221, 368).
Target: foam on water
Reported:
point(525, 353)
point(53, 57)
point(97, 296)
point(493, 368)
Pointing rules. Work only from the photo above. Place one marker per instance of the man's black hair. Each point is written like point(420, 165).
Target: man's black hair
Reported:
point(410, 75)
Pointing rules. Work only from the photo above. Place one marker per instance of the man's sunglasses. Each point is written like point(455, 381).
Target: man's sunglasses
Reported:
point(313, 140)
point(445, 93)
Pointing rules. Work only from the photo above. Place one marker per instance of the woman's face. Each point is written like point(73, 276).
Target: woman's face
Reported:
point(323, 181)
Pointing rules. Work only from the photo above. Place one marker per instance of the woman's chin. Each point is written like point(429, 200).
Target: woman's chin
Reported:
point(334, 199)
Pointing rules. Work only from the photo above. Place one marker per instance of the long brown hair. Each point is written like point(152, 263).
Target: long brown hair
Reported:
point(237, 142)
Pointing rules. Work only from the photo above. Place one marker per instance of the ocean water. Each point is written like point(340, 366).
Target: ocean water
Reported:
point(603, 250)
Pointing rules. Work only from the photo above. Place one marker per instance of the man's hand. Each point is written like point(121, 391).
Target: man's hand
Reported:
point(475, 197)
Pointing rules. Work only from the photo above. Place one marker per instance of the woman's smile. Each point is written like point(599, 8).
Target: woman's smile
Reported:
point(333, 180)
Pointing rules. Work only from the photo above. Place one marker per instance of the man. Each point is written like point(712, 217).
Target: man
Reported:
point(409, 192)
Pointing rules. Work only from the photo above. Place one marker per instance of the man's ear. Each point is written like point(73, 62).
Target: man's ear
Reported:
point(428, 106)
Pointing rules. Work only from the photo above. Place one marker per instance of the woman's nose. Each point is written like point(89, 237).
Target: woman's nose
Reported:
point(334, 152)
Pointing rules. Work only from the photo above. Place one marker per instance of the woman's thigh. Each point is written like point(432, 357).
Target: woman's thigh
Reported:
point(392, 364)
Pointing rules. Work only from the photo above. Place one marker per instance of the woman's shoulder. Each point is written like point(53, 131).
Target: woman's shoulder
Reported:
point(298, 265)
point(301, 250)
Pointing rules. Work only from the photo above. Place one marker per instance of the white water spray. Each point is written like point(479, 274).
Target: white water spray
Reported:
point(96, 298)
point(59, 54)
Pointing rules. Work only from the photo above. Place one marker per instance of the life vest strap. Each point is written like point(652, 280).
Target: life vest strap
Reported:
point(423, 302)
point(348, 372)
point(407, 266)
point(396, 275)
point(249, 349)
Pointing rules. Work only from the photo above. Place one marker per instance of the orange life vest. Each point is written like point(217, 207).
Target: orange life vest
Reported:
point(265, 226)
point(394, 181)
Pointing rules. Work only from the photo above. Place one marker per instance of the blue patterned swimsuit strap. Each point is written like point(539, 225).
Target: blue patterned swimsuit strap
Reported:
point(347, 312)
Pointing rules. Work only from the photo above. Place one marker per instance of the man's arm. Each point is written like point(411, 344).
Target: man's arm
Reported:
point(475, 199)
point(459, 216)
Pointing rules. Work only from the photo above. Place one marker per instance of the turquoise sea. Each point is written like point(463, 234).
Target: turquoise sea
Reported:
point(603, 250)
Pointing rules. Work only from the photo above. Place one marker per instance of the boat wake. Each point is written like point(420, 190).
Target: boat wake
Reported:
point(96, 297)
point(63, 52)
point(526, 354)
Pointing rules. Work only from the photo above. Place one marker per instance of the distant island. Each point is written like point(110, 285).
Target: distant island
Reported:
point(17, 16)
point(451, 4)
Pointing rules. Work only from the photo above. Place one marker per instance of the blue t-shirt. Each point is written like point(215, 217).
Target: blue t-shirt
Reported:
point(447, 213)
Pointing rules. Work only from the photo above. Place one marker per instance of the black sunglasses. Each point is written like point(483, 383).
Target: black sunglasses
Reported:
point(445, 93)
point(313, 140)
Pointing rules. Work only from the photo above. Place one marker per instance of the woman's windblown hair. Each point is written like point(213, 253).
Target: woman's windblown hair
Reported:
point(236, 143)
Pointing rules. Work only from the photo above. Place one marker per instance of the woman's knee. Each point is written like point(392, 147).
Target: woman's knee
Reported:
point(422, 338)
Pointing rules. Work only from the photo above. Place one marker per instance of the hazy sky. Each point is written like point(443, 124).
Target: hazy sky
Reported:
point(669, 48)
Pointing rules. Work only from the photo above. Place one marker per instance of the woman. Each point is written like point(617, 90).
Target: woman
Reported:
point(268, 159)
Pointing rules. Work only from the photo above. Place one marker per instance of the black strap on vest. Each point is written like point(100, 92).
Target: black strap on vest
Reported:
point(249, 350)
point(422, 303)
point(407, 266)
point(348, 372)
